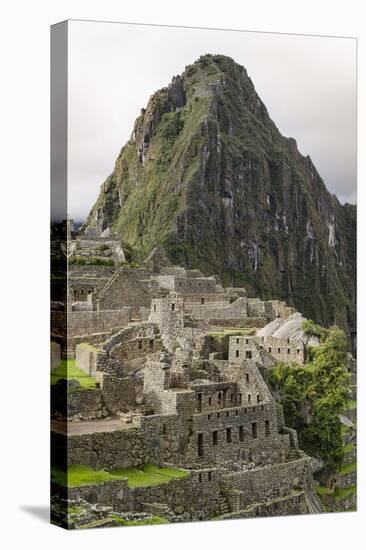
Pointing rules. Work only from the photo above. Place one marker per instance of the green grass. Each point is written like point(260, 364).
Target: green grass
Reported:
point(75, 509)
point(351, 404)
point(348, 448)
point(79, 475)
point(153, 520)
point(67, 370)
point(321, 490)
point(340, 494)
point(348, 468)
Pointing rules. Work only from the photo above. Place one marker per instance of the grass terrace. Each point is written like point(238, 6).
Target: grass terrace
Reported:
point(153, 520)
point(78, 475)
point(68, 370)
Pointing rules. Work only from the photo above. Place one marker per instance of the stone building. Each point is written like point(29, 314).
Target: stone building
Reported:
point(165, 396)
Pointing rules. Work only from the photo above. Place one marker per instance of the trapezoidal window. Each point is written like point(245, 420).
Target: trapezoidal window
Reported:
point(199, 401)
point(267, 428)
point(254, 430)
point(200, 445)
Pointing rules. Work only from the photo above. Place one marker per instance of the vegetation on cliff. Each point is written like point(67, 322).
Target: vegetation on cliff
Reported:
point(207, 175)
point(314, 395)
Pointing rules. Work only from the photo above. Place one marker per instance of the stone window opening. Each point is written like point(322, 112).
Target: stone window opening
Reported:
point(288, 350)
point(140, 344)
point(210, 400)
point(218, 415)
point(200, 478)
point(164, 429)
point(200, 445)
point(154, 307)
point(240, 398)
point(249, 397)
point(237, 353)
point(199, 401)
point(209, 476)
point(241, 433)
point(297, 351)
point(269, 350)
point(173, 307)
point(151, 344)
point(288, 340)
point(258, 398)
point(232, 398)
point(227, 413)
point(215, 438)
point(237, 340)
point(247, 378)
point(202, 301)
point(245, 410)
point(248, 354)
point(219, 397)
point(208, 417)
point(278, 350)
point(236, 412)
point(254, 430)
point(267, 428)
point(262, 407)
point(228, 435)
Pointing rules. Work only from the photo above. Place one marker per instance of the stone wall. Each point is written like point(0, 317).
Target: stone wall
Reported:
point(119, 393)
point(128, 287)
point(55, 355)
point(221, 311)
point(122, 448)
point(81, 404)
point(276, 480)
point(87, 358)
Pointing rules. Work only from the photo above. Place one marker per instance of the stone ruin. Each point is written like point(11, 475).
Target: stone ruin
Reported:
point(178, 359)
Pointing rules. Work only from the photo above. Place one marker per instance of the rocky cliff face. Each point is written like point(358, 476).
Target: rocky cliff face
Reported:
point(207, 175)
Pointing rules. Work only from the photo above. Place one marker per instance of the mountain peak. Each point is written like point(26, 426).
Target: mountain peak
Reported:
point(208, 177)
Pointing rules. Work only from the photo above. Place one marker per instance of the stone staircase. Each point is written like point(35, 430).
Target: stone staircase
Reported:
point(224, 507)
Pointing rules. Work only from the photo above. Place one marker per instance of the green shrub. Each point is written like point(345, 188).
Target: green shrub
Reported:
point(319, 388)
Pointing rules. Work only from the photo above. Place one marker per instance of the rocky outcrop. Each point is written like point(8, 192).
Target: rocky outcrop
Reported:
point(207, 176)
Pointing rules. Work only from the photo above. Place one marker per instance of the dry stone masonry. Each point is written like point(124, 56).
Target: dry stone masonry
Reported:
point(176, 358)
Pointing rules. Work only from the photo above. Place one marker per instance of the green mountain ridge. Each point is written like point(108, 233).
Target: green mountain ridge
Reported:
point(207, 175)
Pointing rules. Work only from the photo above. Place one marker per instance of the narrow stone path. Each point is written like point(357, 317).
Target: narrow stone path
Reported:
point(89, 426)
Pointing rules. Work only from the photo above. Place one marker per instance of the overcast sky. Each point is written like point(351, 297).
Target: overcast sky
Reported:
point(307, 83)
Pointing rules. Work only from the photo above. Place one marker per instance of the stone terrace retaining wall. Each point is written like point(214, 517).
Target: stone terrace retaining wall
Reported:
point(261, 484)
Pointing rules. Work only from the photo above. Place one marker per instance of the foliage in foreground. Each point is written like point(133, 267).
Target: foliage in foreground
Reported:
point(315, 394)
